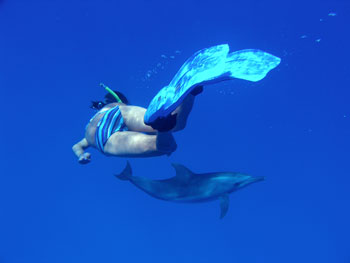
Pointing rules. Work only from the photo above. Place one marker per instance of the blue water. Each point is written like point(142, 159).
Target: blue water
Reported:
point(293, 127)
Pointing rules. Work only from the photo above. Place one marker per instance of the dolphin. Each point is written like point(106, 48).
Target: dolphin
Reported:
point(190, 187)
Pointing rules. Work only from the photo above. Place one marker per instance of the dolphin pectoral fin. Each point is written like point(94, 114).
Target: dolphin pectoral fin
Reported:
point(224, 204)
point(182, 172)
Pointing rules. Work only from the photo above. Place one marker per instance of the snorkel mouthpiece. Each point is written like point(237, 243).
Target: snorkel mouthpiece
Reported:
point(111, 92)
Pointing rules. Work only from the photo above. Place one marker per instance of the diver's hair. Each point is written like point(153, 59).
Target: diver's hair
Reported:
point(110, 99)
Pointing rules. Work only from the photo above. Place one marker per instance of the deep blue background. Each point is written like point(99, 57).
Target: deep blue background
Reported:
point(292, 127)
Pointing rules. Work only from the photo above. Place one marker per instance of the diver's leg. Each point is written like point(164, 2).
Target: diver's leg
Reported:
point(183, 111)
point(136, 144)
point(166, 143)
point(133, 118)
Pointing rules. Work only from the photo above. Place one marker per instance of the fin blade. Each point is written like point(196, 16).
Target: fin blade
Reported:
point(224, 204)
point(126, 174)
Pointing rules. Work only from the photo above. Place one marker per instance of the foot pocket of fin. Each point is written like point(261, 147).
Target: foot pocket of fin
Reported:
point(197, 90)
point(164, 124)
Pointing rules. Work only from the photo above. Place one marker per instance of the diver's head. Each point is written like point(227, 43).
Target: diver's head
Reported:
point(109, 98)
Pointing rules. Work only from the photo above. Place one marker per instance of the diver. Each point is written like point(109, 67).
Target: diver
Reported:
point(118, 128)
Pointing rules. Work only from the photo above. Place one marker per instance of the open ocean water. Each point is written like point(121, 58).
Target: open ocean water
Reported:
point(293, 127)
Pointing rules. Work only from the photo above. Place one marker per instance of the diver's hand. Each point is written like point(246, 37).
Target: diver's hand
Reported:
point(85, 158)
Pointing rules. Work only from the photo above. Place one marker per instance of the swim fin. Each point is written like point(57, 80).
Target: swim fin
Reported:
point(208, 66)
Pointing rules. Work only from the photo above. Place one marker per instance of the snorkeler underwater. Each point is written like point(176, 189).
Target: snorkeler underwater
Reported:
point(119, 129)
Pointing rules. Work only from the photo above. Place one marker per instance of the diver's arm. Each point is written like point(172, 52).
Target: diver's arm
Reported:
point(79, 151)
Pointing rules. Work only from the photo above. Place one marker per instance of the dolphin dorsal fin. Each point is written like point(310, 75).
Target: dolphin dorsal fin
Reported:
point(182, 172)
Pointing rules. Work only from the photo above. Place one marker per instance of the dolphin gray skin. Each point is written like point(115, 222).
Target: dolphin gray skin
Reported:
point(189, 187)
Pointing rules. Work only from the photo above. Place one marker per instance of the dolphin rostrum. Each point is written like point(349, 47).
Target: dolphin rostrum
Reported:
point(189, 187)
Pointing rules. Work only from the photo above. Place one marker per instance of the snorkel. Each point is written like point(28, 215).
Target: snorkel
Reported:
point(111, 92)
point(97, 105)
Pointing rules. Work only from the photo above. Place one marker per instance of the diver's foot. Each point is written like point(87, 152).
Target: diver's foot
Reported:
point(166, 142)
point(197, 90)
point(164, 124)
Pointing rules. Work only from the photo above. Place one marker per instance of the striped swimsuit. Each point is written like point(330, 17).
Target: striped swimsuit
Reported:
point(110, 123)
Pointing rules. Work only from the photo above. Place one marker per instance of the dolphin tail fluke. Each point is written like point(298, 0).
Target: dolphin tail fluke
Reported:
point(126, 174)
point(224, 204)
